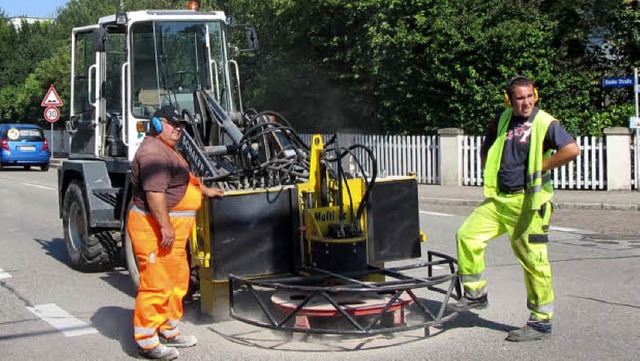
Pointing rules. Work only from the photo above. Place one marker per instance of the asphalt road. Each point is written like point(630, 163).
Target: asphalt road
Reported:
point(595, 256)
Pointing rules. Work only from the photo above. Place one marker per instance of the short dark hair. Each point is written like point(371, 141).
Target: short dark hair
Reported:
point(519, 80)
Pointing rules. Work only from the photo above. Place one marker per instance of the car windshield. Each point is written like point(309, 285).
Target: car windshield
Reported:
point(24, 135)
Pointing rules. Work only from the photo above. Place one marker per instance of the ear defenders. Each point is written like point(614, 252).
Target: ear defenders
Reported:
point(157, 124)
point(506, 95)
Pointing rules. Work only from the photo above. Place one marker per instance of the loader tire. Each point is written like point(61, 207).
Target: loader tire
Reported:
point(88, 252)
point(132, 260)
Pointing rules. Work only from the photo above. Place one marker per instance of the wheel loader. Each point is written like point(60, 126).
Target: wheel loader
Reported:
point(308, 237)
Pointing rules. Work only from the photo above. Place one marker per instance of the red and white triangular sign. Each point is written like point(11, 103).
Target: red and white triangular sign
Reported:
point(51, 99)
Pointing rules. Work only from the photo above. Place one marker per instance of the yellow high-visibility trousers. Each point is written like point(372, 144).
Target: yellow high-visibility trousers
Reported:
point(528, 232)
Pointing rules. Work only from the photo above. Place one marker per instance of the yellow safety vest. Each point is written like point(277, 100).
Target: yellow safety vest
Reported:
point(539, 187)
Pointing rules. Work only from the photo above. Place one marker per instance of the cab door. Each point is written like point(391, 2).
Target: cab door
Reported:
point(87, 104)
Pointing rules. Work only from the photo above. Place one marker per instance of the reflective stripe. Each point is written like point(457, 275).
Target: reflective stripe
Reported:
point(534, 189)
point(171, 214)
point(144, 331)
point(472, 278)
point(531, 189)
point(543, 309)
point(170, 333)
point(148, 343)
point(474, 285)
point(535, 175)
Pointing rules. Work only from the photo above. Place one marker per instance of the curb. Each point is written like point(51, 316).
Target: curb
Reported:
point(557, 205)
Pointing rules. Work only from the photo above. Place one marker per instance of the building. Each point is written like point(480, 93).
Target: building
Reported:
point(17, 21)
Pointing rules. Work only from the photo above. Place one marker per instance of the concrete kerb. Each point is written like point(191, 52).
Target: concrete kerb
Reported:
point(557, 205)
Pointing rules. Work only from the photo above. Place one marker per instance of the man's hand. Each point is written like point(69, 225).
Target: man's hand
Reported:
point(168, 236)
point(211, 192)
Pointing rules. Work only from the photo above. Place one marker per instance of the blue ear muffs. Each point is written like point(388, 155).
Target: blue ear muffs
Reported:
point(157, 124)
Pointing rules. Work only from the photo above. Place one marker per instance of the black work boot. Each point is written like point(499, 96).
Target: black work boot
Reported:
point(534, 330)
point(467, 304)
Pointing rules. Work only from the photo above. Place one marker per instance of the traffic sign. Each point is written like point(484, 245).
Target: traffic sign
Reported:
point(51, 99)
point(51, 114)
point(617, 82)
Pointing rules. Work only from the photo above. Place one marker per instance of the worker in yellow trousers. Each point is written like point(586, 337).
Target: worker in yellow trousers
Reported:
point(518, 155)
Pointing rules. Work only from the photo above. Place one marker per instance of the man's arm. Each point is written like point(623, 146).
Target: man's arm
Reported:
point(563, 156)
point(157, 202)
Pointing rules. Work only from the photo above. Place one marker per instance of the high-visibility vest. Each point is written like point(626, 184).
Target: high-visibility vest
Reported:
point(538, 188)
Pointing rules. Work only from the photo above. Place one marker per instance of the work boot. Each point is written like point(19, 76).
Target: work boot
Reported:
point(467, 304)
point(534, 330)
point(181, 341)
point(160, 352)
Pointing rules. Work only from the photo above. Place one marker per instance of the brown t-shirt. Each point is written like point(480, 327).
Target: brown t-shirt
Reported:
point(156, 168)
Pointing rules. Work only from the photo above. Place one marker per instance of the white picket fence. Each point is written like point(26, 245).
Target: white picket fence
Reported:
point(395, 155)
point(402, 155)
point(587, 171)
point(420, 155)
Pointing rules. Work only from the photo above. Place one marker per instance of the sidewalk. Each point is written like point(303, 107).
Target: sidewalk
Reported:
point(564, 199)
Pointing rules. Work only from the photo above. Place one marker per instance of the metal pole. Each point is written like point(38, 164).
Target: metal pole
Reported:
point(636, 146)
point(52, 148)
point(635, 88)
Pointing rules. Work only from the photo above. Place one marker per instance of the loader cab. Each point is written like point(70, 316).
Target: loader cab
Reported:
point(125, 68)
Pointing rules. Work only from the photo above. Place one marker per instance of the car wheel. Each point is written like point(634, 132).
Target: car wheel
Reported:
point(87, 252)
point(27, 167)
point(44, 167)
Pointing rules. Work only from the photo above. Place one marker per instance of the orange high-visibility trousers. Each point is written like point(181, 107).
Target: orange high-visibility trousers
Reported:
point(164, 272)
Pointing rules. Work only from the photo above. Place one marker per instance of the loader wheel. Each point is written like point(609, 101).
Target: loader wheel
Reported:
point(132, 261)
point(87, 252)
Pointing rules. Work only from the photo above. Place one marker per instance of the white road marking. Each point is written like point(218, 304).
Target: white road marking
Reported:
point(553, 228)
point(62, 320)
point(572, 230)
point(437, 214)
point(4, 274)
point(38, 186)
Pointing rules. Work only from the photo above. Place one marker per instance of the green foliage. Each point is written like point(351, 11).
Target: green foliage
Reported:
point(393, 66)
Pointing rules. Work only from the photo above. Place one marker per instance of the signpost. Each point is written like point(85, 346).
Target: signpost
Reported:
point(635, 96)
point(51, 101)
point(634, 122)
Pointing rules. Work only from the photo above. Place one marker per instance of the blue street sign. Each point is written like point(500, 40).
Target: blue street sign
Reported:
point(617, 82)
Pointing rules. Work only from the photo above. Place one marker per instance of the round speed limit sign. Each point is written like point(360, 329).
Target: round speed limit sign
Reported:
point(51, 114)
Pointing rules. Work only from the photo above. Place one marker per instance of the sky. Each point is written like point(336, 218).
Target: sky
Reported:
point(31, 8)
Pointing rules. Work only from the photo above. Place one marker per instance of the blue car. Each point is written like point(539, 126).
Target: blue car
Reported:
point(23, 145)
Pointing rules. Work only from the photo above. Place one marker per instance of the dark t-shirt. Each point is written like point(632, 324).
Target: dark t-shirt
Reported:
point(515, 155)
point(156, 168)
